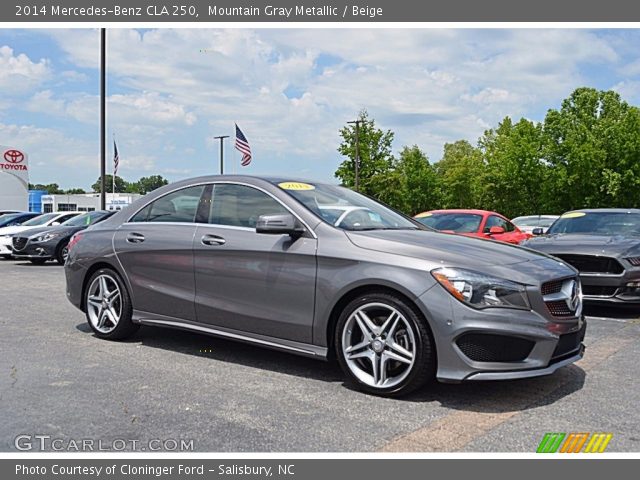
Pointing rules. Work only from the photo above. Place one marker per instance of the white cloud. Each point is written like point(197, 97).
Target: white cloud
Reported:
point(430, 86)
point(19, 73)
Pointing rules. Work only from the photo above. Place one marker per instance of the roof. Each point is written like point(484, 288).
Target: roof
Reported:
point(606, 210)
point(464, 210)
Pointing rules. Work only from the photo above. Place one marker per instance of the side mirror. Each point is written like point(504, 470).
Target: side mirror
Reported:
point(55, 223)
point(496, 230)
point(538, 231)
point(281, 224)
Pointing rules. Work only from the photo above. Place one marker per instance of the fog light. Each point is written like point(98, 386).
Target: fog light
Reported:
point(633, 285)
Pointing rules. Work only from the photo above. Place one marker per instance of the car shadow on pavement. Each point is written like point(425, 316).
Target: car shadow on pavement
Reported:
point(485, 396)
point(497, 397)
point(230, 351)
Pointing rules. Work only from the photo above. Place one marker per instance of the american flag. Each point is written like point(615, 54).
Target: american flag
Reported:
point(242, 144)
point(116, 159)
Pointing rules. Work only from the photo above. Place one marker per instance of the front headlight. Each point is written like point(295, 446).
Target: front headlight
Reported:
point(482, 291)
point(46, 237)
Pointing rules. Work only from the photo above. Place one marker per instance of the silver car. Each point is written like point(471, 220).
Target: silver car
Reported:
point(322, 271)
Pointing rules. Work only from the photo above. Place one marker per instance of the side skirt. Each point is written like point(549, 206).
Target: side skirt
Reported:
point(304, 349)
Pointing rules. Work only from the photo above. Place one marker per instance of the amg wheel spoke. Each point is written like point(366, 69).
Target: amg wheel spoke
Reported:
point(401, 358)
point(358, 347)
point(366, 325)
point(390, 324)
point(112, 315)
point(375, 362)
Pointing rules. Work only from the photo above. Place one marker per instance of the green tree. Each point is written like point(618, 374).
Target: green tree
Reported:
point(593, 147)
point(375, 154)
point(74, 191)
point(514, 180)
point(460, 175)
point(51, 188)
point(411, 185)
point(148, 184)
point(120, 187)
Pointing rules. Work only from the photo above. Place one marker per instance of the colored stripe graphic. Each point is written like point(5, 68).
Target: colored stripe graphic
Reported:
point(550, 443)
point(598, 443)
point(574, 442)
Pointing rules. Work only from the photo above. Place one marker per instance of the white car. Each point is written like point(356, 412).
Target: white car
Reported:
point(529, 222)
point(44, 220)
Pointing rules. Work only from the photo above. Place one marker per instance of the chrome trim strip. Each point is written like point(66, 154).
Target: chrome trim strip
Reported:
point(513, 375)
point(321, 351)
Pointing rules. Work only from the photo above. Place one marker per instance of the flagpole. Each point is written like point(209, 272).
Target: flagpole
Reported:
point(113, 178)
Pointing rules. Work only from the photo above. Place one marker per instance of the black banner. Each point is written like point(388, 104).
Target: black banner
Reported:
point(288, 11)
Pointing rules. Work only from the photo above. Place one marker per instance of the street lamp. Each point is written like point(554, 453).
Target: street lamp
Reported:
point(221, 138)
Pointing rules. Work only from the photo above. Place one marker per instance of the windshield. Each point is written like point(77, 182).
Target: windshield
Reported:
point(9, 218)
point(533, 221)
point(84, 220)
point(597, 223)
point(346, 209)
point(40, 220)
point(454, 222)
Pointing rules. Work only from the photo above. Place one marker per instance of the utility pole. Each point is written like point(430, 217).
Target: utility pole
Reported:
point(221, 138)
point(357, 160)
point(103, 151)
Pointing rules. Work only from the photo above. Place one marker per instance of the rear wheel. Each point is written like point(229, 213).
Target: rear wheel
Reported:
point(6, 257)
point(38, 261)
point(108, 306)
point(384, 346)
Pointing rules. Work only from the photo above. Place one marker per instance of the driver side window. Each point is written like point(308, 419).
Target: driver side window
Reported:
point(494, 221)
point(241, 205)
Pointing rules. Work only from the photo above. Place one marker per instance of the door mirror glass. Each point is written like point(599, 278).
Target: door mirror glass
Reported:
point(280, 224)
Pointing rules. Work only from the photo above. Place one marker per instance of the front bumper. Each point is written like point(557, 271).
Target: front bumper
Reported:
point(606, 288)
point(499, 343)
point(44, 250)
point(5, 246)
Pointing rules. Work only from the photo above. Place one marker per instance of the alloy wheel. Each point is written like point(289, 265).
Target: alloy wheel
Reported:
point(104, 303)
point(379, 345)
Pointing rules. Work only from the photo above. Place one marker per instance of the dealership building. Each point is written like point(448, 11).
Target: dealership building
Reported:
point(85, 202)
point(14, 179)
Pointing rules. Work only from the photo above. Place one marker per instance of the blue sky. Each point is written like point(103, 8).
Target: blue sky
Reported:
point(290, 90)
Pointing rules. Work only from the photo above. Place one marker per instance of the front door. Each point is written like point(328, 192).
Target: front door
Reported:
point(258, 283)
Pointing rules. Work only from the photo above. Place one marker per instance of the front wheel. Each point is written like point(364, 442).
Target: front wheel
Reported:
point(384, 346)
point(62, 253)
point(108, 306)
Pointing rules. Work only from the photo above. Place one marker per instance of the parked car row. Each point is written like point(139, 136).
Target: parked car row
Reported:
point(41, 237)
point(323, 271)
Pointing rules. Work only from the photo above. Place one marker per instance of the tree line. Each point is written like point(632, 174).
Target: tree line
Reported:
point(143, 186)
point(585, 154)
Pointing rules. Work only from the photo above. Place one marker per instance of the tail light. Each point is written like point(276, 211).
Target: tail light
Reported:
point(75, 239)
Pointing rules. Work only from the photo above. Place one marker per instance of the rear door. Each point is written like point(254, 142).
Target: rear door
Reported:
point(253, 282)
point(155, 249)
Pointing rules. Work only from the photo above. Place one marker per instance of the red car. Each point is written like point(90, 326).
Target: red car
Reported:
point(473, 223)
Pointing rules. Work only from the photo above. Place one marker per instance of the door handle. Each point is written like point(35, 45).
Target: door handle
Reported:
point(212, 240)
point(135, 237)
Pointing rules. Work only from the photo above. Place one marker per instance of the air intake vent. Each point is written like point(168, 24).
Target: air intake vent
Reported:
point(484, 347)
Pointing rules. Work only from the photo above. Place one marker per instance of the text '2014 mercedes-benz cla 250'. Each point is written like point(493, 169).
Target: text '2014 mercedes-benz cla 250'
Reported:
point(320, 270)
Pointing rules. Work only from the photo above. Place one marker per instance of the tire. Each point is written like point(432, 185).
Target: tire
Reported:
point(7, 257)
point(62, 252)
point(108, 306)
point(392, 335)
point(38, 261)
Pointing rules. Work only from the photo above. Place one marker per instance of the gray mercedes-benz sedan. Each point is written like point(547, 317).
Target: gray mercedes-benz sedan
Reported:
point(323, 271)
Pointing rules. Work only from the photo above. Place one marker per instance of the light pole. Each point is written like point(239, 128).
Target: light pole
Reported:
point(357, 160)
point(221, 138)
point(103, 151)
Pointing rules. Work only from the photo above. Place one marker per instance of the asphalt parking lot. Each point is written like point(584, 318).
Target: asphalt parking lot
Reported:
point(57, 379)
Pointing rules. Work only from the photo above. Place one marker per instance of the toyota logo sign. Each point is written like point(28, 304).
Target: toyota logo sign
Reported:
point(14, 156)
